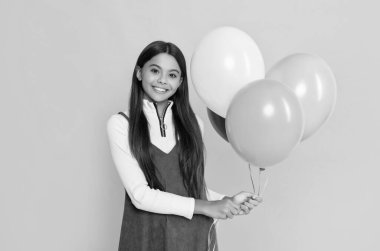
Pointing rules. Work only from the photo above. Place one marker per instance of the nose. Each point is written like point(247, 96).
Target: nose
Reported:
point(162, 79)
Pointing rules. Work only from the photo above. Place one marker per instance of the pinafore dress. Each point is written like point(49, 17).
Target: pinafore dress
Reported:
point(146, 231)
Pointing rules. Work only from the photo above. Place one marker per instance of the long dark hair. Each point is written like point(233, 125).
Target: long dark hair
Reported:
point(191, 147)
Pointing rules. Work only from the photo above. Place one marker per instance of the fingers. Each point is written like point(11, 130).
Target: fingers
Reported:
point(246, 194)
point(229, 215)
point(255, 197)
point(259, 199)
point(234, 211)
point(255, 202)
point(249, 205)
point(230, 208)
point(231, 212)
point(234, 205)
point(245, 208)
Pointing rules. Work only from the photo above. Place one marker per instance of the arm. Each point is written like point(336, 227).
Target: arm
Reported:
point(142, 196)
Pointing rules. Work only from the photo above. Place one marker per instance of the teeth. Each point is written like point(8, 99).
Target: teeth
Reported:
point(159, 89)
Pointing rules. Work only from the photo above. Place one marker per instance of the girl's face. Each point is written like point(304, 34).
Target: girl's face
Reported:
point(160, 77)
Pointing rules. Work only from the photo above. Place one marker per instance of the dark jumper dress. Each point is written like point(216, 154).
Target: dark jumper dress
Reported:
point(146, 231)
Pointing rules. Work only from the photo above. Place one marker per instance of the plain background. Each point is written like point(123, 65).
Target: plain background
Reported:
point(66, 68)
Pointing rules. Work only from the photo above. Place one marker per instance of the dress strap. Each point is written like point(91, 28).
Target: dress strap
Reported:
point(123, 114)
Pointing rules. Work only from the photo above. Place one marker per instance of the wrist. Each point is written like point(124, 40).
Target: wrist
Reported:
point(200, 206)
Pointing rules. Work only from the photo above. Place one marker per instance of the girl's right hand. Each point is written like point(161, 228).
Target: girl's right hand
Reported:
point(219, 209)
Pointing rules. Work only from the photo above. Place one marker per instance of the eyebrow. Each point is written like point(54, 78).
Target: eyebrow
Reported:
point(160, 68)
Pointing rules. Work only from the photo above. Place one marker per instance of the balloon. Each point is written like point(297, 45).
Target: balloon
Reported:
point(219, 124)
point(225, 60)
point(313, 82)
point(264, 122)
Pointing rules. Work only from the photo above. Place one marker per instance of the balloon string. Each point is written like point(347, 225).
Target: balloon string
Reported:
point(265, 183)
point(211, 245)
point(261, 189)
point(258, 194)
point(250, 174)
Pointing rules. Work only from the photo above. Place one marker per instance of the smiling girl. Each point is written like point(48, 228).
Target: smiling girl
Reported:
point(158, 151)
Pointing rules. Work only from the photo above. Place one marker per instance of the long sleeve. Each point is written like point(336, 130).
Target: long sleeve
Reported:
point(142, 196)
point(211, 195)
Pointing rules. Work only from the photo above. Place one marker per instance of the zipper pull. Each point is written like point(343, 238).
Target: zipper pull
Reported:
point(163, 127)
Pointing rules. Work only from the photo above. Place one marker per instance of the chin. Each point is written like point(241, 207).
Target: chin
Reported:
point(156, 99)
point(160, 98)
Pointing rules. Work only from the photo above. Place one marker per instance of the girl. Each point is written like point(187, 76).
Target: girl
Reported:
point(157, 148)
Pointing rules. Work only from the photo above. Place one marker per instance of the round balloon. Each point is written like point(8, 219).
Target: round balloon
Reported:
point(313, 82)
point(264, 122)
point(218, 123)
point(224, 61)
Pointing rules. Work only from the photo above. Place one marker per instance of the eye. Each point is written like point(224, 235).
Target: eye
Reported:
point(154, 70)
point(172, 75)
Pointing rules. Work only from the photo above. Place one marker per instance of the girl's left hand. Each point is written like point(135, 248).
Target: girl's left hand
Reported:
point(247, 202)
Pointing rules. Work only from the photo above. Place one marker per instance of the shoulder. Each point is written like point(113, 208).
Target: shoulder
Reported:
point(118, 123)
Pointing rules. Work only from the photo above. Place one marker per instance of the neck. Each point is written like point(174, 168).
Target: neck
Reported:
point(161, 107)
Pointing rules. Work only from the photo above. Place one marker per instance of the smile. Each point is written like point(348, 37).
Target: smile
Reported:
point(159, 90)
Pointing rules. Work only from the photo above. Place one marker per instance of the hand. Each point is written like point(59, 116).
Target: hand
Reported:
point(247, 201)
point(225, 208)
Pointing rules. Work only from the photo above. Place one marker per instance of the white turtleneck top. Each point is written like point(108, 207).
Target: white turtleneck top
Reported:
point(142, 196)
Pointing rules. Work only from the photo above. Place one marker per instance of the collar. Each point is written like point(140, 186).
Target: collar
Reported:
point(148, 106)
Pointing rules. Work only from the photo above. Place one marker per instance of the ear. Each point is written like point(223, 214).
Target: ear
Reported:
point(138, 73)
point(181, 80)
